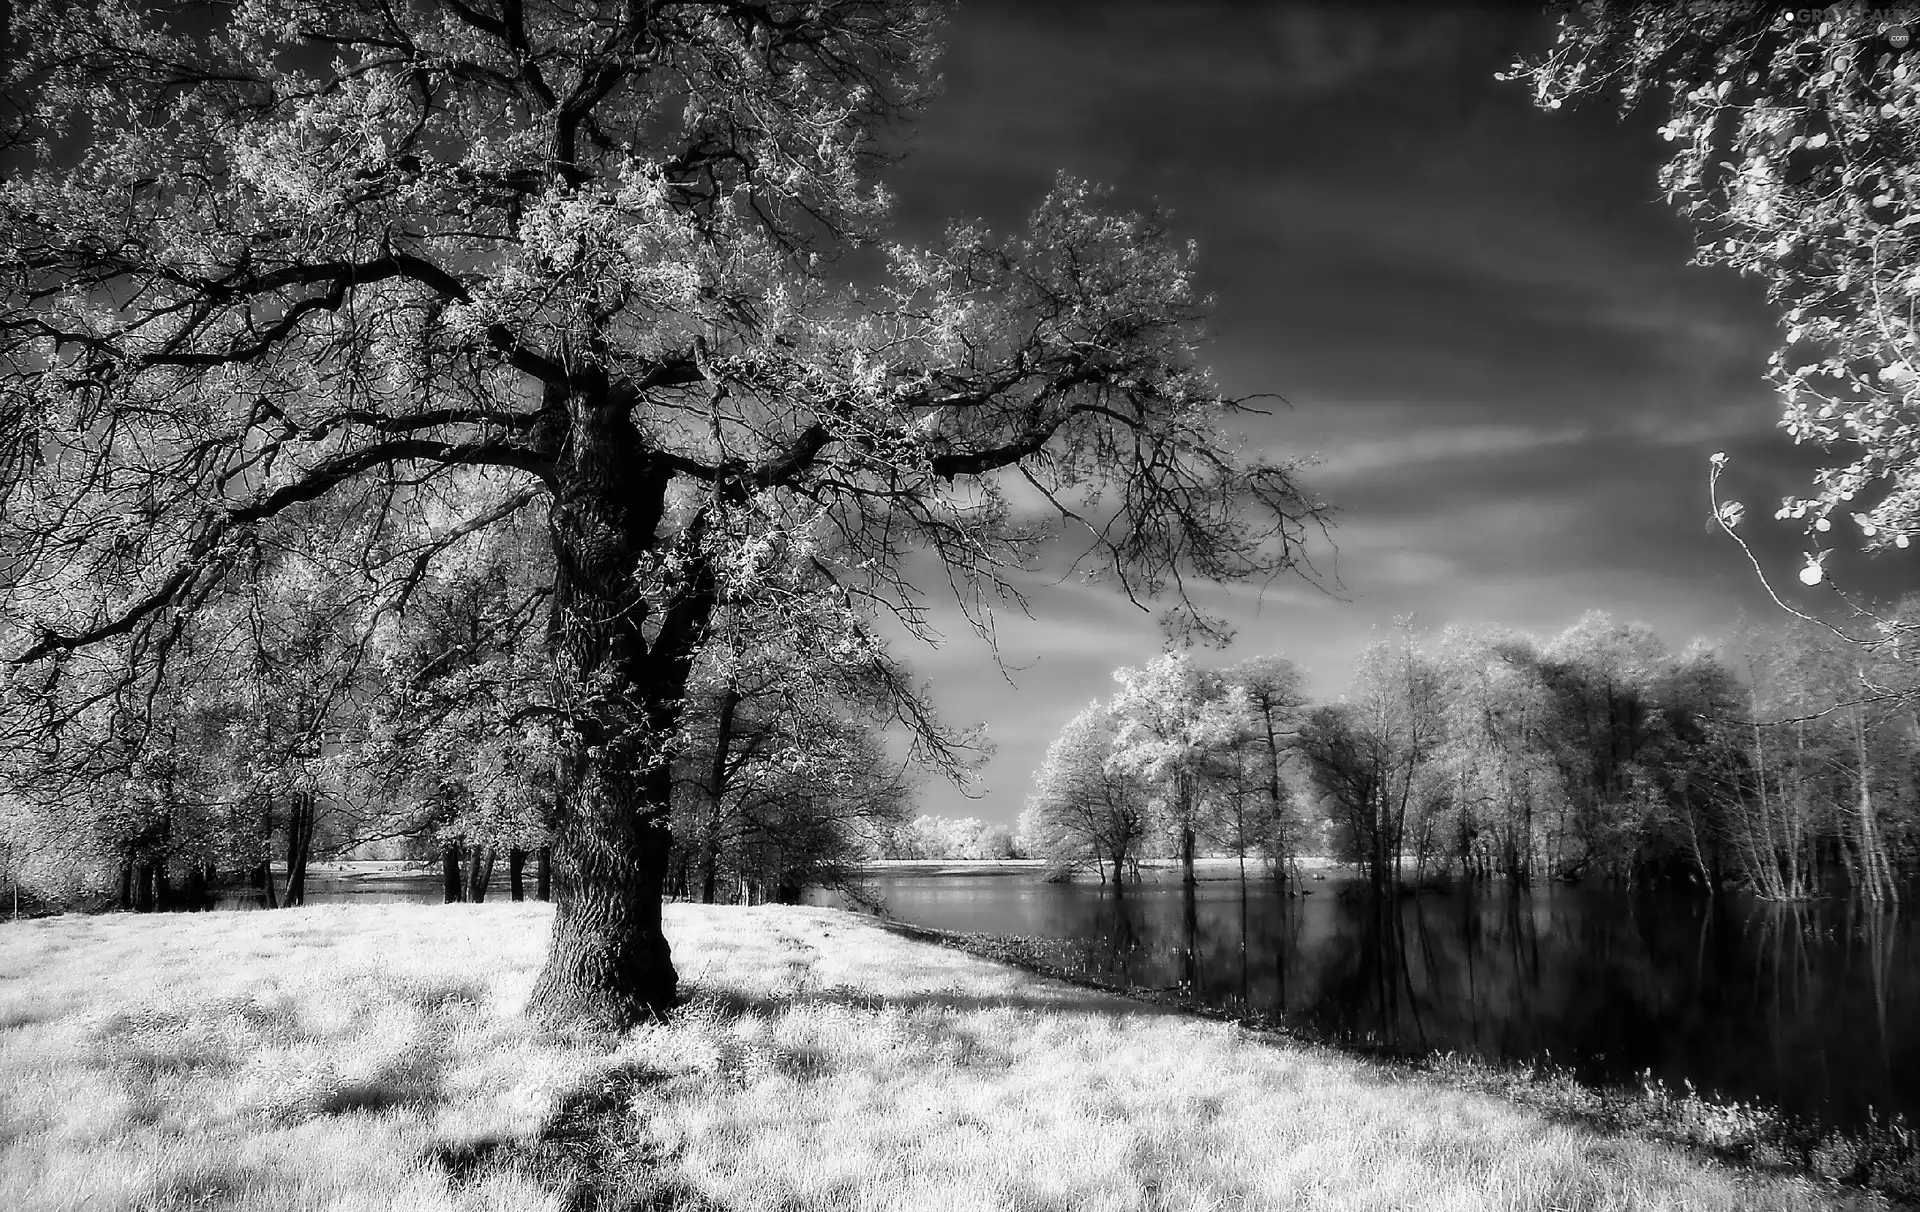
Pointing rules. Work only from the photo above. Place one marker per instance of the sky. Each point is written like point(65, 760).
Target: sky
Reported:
point(1480, 318)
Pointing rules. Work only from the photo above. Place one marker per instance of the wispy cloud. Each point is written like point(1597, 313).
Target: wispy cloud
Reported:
point(1425, 447)
point(1483, 317)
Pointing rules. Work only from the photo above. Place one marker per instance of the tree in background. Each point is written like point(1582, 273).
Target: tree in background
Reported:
point(1604, 681)
point(1276, 702)
point(294, 691)
point(1699, 698)
point(787, 783)
point(1372, 756)
point(1499, 777)
point(245, 748)
point(1348, 766)
point(940, 837)
point(466, 731)
point(1812, 776)
point(1783, 763)
point(1173, 725)
point(784, 775)
point(592, 253)
point(1597, 753)
point(1186, 753)
point(1087, 809)
point(1082, 811)
point(819, 811)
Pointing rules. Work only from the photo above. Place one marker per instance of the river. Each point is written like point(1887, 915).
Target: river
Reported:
point(1812, 1008)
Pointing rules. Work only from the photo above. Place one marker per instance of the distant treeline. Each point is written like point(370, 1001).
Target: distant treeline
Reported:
point(300, 720)
point(1786, 762)
point(945, 837)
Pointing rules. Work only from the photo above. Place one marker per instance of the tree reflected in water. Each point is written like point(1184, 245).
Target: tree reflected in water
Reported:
point(1809, 1007)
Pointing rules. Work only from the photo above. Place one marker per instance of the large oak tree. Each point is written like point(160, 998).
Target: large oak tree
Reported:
point(260, 254)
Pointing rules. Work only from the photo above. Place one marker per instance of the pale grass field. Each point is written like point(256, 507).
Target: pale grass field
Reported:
point(375, 1058)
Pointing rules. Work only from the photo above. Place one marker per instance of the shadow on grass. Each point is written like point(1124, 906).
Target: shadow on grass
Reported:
point(593, 1152)
point(596, 1151)
point(19, 1015)
point(411, 1078)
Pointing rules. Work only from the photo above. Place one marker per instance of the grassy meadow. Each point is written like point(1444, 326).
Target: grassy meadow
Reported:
point(375, 1057)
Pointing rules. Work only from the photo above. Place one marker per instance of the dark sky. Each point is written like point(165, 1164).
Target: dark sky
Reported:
point(1481, 317)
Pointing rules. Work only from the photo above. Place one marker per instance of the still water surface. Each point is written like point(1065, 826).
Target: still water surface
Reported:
point(1813, 1008)
point(360, 890)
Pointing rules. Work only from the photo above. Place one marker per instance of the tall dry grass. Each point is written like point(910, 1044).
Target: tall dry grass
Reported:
point(376, 1058)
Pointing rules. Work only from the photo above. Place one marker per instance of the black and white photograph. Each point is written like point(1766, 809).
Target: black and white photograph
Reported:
point(924, 605)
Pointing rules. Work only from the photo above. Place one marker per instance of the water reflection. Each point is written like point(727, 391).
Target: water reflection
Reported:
point(1808, 1007)
point(383, 889)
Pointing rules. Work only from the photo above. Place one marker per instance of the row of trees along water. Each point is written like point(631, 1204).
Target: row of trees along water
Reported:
point(1786, 761)
point(312, 720)
point(309, 713)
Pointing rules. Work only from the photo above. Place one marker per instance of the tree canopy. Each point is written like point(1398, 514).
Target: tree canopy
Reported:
point(1796, 154)
point(435, 262)
point(1484, 753)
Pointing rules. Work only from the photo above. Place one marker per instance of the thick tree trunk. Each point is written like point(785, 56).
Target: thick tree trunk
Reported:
point(608, 965)
point(143, 887)
point(162, 889)
point(300, 812)
point(450, 883)
point(516, 867)
point(479, 873)
point(126, 885)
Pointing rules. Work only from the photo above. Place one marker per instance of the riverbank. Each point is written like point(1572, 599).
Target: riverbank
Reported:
point(1212, 867)
point(1882, 1155)
point(374, 1057)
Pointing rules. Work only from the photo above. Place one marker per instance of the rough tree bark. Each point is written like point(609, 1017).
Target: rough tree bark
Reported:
point(607, 963)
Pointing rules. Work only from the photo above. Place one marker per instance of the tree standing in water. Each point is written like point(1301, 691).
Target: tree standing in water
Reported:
point(274, 253)
point(1276, 702)
point(1172, 724)
point(1085, 807)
